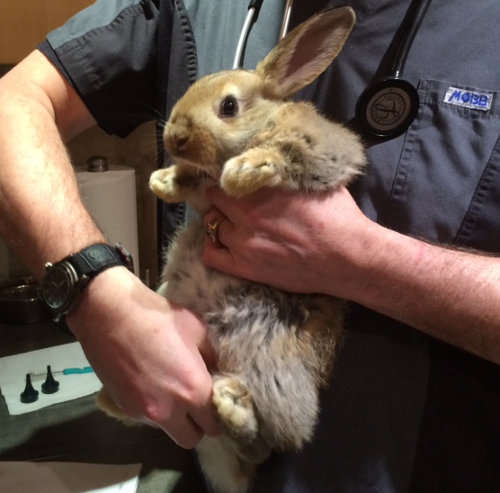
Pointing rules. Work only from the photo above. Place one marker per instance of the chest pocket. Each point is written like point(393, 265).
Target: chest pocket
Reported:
point(447, 184)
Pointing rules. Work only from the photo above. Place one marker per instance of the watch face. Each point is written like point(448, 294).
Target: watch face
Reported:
point(58, 286)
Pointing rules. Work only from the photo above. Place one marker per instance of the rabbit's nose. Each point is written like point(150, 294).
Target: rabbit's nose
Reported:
point(180, 141)
point(176, 141)
point(178, 132)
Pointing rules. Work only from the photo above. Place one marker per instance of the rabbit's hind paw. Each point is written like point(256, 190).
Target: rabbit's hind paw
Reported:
point(235, 408)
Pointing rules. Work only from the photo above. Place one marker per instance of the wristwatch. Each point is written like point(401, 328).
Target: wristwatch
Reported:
point(65, 280)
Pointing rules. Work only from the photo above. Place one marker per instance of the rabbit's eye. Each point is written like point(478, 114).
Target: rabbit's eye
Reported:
point(229, 106)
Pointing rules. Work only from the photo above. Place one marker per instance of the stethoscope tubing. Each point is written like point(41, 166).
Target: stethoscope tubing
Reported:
point(242, 41)
point(415, 18)
point(287, 13)
point(250, 19)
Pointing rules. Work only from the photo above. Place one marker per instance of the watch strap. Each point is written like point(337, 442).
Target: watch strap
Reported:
point(96, 258)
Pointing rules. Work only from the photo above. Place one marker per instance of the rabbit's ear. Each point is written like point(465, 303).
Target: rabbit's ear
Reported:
point(303, 54)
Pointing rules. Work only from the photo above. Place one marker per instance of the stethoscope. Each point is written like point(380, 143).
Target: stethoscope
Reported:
point(387, 107)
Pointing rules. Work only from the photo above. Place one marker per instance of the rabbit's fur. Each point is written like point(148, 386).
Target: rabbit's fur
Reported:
point(275, 350)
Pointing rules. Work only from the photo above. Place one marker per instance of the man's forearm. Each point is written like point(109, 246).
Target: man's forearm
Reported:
point(42, 217)
point(449, 294)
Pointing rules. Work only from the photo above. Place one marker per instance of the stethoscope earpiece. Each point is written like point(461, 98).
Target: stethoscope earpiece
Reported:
point(387, 108)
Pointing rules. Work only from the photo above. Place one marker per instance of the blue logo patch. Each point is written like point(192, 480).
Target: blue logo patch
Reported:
point(468, 99)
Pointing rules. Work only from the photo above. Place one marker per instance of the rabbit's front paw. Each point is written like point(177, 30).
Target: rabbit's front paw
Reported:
point(252, 170)
point(171, 185)
point(163, 184)
point(235, 407)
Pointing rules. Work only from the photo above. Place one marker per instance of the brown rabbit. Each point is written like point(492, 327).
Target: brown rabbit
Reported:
point(275, 349)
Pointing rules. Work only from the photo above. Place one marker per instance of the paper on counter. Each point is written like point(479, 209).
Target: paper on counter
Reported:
point(68, 477)
point(13, 371)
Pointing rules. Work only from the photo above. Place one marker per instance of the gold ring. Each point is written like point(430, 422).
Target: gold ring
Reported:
point(211, 230)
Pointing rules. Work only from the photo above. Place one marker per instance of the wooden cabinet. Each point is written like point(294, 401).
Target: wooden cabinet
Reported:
point(24, 23)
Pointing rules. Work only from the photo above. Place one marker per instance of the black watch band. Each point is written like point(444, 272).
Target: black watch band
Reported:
point(64, 280)
point(94, 259)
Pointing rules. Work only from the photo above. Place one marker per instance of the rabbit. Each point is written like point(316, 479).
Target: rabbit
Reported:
point(275, 350)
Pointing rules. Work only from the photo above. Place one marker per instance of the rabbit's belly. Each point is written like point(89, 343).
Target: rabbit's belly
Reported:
point(279, 345)
point(189, 282)
point(261, 337)
point(244, 317)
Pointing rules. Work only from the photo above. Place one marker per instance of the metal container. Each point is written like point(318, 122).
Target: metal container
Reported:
point(22, 302)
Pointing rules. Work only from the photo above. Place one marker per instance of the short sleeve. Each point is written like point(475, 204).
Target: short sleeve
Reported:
point(108, 52)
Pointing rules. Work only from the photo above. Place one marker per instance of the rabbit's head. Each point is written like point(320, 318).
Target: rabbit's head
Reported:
point(219, 114)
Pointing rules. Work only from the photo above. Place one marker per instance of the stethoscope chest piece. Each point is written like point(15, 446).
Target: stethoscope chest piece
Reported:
point(387, 108)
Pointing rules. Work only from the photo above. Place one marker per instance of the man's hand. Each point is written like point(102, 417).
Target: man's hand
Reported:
point(151, 356)
point(295, 242)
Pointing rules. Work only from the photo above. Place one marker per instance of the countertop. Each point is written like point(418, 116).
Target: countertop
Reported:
point(77, 431)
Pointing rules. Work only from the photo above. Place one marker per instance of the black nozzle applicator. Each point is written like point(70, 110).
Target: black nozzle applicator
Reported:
point(50, 386)
point(29, 394)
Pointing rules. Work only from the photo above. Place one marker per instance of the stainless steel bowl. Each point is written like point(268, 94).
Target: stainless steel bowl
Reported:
point(22, 302)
